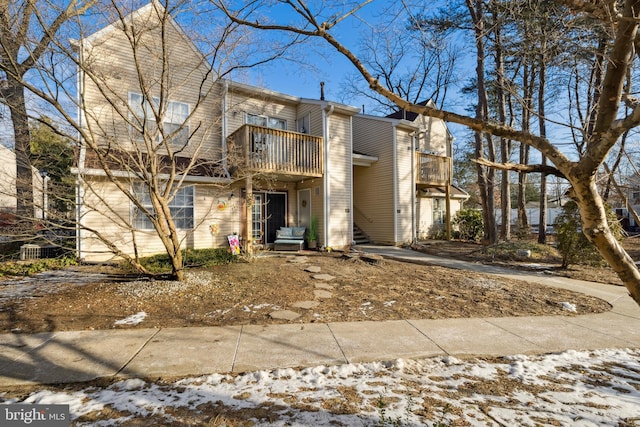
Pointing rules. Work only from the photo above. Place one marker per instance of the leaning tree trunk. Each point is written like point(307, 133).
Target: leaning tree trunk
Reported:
point(597, 230)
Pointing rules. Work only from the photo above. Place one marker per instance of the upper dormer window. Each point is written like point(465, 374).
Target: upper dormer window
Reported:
point(174, 119)
point(266, 121)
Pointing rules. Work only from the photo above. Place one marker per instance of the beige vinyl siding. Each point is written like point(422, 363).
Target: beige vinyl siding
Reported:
point(406, 187)
point(338, 171)
point(112, 76)
point(373, 195)
point(318, 196)
point(435, 138)
point(105, 209)
point(314, 111)
point(217, 215)
point(316, 200)
point(112, 65)
point(240, 104)
point(108, 210)
point(292, 204)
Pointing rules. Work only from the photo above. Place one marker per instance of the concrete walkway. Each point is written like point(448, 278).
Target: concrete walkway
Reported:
point(65, 357)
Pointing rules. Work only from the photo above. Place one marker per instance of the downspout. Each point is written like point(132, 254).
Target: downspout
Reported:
point(224, 125)
point(395, 184)
point(414, 199)
point(351, 184)
point(326, 113)
point(80, 191)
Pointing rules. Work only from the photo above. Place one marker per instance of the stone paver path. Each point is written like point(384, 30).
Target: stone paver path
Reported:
point(322, 290)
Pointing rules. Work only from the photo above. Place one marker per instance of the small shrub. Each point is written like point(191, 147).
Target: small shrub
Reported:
point(436, 232)
point(509, 251)
point(27, 268)
point(192, 258)
point(572, 244)
point(470, 224)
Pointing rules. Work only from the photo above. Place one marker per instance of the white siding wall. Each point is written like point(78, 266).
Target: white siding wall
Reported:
point(424, 210)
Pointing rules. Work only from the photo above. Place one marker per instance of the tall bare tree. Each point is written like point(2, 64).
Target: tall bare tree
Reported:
point(27, 29)
point(622, 19)
point(420, 71)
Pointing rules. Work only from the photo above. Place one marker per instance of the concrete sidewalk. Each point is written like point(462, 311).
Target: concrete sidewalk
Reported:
point(65, 357)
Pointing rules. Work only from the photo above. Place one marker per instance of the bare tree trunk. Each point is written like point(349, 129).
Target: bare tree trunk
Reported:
point(485, 175)
point(505, 144)
point(542, 220)
point(527, 87)
point(14, 97)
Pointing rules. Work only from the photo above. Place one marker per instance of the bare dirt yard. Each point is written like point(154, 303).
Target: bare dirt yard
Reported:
point(253, 292)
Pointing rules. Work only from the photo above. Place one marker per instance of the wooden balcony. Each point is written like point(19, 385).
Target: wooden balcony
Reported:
point(266, 150)
point(432, 170)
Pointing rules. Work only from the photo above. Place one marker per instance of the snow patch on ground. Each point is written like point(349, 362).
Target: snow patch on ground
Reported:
point(576, 388)
point(134, 319)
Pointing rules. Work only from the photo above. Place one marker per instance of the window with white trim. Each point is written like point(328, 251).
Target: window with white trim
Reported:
point(174, 120)
point(266, 121)
point(181, 208)
point(303, 124)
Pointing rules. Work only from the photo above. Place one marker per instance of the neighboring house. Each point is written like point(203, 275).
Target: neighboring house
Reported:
point(294, 158)
point(8, 198)
point(402, 177)
point(8, 202)
point(625, 212)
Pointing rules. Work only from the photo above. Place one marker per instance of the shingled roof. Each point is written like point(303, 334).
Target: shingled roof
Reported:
point(406, 115)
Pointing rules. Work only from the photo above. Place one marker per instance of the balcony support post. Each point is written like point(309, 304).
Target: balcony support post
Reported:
point(249, 201)
point(448, 201)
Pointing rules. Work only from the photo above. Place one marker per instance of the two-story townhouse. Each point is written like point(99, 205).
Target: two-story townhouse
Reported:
point(243, 160)
point(408, 157)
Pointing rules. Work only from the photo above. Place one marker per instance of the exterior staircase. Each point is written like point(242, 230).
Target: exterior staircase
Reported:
point(359, 236)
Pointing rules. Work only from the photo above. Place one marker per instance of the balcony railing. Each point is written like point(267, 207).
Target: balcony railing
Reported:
point(276, 151)
point(432, 170)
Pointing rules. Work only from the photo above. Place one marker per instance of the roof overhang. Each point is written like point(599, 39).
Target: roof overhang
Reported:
point(194, 179)
point(363, 160)
point(455, 193)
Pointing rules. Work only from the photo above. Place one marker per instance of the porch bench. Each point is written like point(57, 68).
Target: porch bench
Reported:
point(289, 239)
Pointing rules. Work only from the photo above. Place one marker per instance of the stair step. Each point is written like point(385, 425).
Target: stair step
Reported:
point(359, 237)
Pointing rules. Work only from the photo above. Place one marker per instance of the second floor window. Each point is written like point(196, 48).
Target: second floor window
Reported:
point(174, 119)
point(265, 121)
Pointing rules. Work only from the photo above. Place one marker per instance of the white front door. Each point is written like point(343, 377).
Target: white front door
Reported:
point(304, 207)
